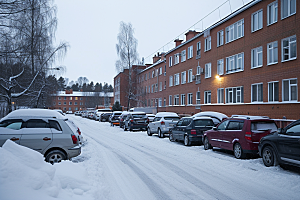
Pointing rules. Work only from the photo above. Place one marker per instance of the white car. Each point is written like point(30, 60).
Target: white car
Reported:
point(162, 123)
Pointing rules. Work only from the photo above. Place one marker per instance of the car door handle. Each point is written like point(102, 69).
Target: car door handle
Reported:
point(14, 139)
point(46, 138)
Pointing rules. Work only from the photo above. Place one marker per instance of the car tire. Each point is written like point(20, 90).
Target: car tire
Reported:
point(186, 141)
point(149, 132)
point(125, 129)
point(171, 138)
point(160, 134)
point(55, 156)
point(269, 156)
point(206, 144)
point(238, 151)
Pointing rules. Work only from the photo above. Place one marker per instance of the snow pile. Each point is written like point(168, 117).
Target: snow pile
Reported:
point(25, 171)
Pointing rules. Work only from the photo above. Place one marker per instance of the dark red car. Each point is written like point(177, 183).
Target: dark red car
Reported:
point(240, 134)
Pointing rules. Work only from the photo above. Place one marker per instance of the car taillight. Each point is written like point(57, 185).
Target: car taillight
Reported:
point(148, 120)
point(74, 139)
point(162, 123)
point(78, 131)
point(248, 136)
point(122, 119)
point(193, 132)
point(131, 120)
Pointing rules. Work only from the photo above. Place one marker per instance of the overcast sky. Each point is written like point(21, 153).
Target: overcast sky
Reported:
point(91, 28)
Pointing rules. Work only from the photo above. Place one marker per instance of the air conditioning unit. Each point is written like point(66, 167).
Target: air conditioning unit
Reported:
point(193, 77)
point(201, 70)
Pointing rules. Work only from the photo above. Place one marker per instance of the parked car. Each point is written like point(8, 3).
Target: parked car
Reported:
point(216, 116)
point(104, 117)
point(150, 117)
point(135, 120)
point(69, 112)
point(77, 113)
point(84, 114)
point(281, 147)
point(99, 112)
point(240, 134)
point(114, 118)
point(122, 118)
point(91, 114)
point(60, 111)
point(162, 123)
point(190, 130)
point(45, 131)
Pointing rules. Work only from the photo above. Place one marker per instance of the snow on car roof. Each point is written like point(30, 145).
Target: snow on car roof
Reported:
point(166, 114)
point(137, 113)
point(204, 117)
point(35, 112)
point(218, 115)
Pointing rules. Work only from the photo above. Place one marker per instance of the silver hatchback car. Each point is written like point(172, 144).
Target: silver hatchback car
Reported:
point(45, 131)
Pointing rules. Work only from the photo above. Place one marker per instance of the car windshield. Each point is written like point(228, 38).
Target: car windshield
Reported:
point(139, 116)
point(263, 125)
point(172, 118)
point(204, 122)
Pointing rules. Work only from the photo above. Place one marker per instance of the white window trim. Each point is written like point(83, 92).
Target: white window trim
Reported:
point(273, 91)
point(170, 61)
point(176, 97)
point(257, 52)
point(268, 54)
point(282, 56)
point(182, 98)
point(199, 98)
point(241, 94)
point(190, 52)
point(275, 20)
point(176, 58)
point(257, 93)
point(170, 81)
point(205, 99)
point(219, 35)
point(183, 80)
point(190, 99)
point(208, 70)
point(170, 100)
point(207, 45)
point(190, 75)
point(220, 68)
point(233, 56)
point(198, 50)
point(231, 28)
point(183, 56)
point(289, 90)
point(289, 14)
point(262, 21)
point(177, 79)
point(218, 96)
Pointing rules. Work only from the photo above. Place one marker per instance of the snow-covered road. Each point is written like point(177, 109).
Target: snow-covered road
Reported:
point(132, 165)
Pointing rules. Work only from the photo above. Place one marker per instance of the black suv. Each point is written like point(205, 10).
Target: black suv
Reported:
point(282, 147)
point(189, 129)
point(135, 120)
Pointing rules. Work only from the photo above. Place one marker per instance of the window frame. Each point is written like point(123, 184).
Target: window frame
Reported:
point(259, 95)
point(207, 43)
point(220, 66)
point(289, 90)
point(190, 75)
point(170, 100)
point(289, 48)
point(198, 98)
point(170, 61)
point(273, 91)
point(207, 97)
point(171, 81)
point(237, 89)
point(190, 52)
point(190, 99)
point(183, 77)
point(256, 54)
point(220, 95)
point(289, 11)
point(259, 18)
point(198, 52)
point(220, 38)
point(230, 31)
point(274, 52)
point(182, 99)
point(208, 70)
point(176, 79)
point(232, 59)
point(183, 55)
point(176, 100)
point(274, 8)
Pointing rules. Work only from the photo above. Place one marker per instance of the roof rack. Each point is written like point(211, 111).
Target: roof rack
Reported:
point(249, 117)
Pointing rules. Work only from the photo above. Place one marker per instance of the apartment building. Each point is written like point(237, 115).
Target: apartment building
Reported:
point(70, 100)
point(247, 63)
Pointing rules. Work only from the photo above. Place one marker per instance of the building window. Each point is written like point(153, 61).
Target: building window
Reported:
point(198, 50)
point(176, 59)
point(59, 98)
point(272, 13)
point(207, 46)
point(80, 98)
point(234, 95)
point(81, 103)
point(257, 20)
point(152, 88)
point(70, 103)
point(149, 89)
point(257, 92)
point(176, 77)
point(235, 63)
point(164, 102)
point(54, 103)
point(160, 86)
point(170, 81)
point(65, 98)
point(183, 55)
point(159, 102)
point(207, 70)
point(220, 38)
point(183, 99)
point(70, 108)
point(65, 103)
point(65, 108)
point(75, 103)
point(76, 98)
point(153, 73)
point(165, 85)
point(190, 75)
point(170, 100)
point(256, 57)
point(288, 8)
point(190, 98)
point(183, 77)
point(190, 52)
point(176, 99)
point(59, 103)
point(221, 95)
point(207, 97)
point(289, 48)
point(273, 53)
point(289, 90)
point(273, 91)
point(198, 98)
point(160, 71)
point(235, 31)
point(76, 108)
point(170, 61)
point(220, 69)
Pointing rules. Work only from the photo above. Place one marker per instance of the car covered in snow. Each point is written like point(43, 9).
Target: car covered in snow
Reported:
point(217, 117)
point(46, 131)
point(162, 123)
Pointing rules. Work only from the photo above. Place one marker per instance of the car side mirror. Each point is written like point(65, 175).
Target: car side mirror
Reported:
point(214, 128)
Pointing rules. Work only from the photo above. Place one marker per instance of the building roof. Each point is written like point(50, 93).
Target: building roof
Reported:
point(84, 94)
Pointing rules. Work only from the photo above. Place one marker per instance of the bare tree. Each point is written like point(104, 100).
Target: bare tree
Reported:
point(128, 55)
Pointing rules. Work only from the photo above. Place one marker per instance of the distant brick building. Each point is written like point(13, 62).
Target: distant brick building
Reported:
point(70, 100)
point(247, 63)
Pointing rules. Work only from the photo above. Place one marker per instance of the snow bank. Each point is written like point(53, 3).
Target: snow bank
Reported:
point(25, 175)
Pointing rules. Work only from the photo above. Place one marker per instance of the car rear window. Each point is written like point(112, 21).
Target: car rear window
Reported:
point(204, 122)
point(263, 125)
point(172, 118)
point(139, 116)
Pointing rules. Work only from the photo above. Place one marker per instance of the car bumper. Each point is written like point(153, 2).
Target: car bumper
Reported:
point(195, 138)
point(138, 126)
point(74, 151)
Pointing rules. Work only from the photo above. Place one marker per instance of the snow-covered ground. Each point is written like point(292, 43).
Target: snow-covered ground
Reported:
point(131, 165)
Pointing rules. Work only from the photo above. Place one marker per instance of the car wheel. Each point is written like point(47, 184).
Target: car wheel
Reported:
point(269, 156)
point(125, 129)
point(206, 144)
point(187, 141)
point(149, 132)
point(160, 134)
point(171, 138)
point(238, 151)
point(55, 156)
